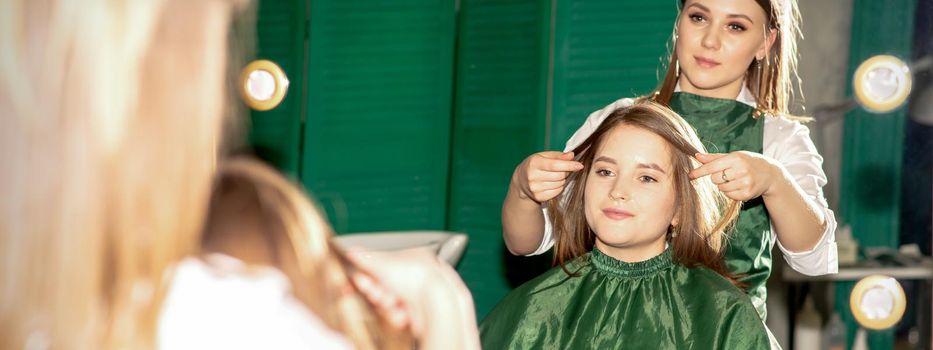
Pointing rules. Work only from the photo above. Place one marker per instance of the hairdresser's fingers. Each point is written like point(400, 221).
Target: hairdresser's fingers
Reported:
point(734, 185)
point(548, 195)
point(374, 292)
point(547, 186)
point(538, 175)
point(559, 165)
point(742, 189)
point(555, 155)
point(393, 309)
point(730, 174)
point(740, 195)
point(384, 299)
point(709, 157)
point(554, 161)
point(714, 166)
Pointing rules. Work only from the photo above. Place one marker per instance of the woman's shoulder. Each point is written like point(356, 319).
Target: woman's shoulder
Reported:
point(785, 120)
point(546, 286)
point(219, 302)
point(722, 303)
point(556, 276)
point(783, 127)
point(710, 283)
point(716, 295)
point(522, 310)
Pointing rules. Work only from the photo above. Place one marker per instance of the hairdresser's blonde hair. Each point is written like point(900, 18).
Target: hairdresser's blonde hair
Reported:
point(111, 113)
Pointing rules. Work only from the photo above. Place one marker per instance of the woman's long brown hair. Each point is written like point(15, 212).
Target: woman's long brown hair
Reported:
point(704, 213)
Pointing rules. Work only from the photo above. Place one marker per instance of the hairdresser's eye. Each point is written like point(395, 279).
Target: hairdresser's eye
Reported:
point(647, 179)
point(695, 18)
point(735, 27)
point(604, 172)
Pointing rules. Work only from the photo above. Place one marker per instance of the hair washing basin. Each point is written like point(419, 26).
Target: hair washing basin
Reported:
point(448, 246)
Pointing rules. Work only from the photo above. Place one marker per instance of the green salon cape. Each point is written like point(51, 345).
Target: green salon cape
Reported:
point(610, 304)
point(724, 126)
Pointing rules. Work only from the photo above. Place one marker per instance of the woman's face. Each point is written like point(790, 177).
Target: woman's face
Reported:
point(717, 41)
point(630, 194)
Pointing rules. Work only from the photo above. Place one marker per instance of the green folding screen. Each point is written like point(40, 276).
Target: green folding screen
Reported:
point(377, 131)
point(498, 120)
point(605, 50)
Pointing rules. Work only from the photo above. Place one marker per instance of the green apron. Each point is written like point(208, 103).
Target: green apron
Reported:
point(725, 126)
point(610, 304)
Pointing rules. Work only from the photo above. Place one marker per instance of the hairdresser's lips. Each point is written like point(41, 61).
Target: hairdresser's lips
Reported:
point(705, 62)
point(617, 214)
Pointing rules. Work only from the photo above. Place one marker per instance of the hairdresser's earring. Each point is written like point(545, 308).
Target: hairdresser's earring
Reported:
point(672, 231)
point(677, 67)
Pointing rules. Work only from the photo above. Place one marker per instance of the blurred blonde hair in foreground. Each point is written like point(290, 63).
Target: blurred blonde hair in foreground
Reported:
point(112, 112)
point(112, 118)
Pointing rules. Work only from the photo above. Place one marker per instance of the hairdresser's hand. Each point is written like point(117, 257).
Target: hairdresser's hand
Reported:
point(542, 175)
point(740, 175)
point(414, 288)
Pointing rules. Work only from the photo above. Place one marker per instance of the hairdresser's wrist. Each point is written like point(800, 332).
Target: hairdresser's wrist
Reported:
point(520, 195)
point(780, 181)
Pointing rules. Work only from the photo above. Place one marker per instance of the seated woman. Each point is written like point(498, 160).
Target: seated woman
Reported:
point(638, 246)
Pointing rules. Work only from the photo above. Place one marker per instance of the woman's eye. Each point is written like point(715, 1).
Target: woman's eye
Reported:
point(697, 18)
point(604, 172)
point(647, 179)
point(736, 27)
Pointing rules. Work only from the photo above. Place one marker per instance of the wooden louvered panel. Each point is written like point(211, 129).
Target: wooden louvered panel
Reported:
point(351, 210)
point(604, 50)
point(379, 100)
point(498, 120)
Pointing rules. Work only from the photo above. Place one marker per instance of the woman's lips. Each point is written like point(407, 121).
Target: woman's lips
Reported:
point(705, 62)
point(617, 214)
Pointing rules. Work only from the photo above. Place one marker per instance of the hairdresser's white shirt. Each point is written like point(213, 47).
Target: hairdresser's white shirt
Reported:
point(786, 141)
point(219, 303)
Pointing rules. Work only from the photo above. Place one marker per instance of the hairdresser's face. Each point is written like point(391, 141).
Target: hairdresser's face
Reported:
point(717, 41)
point(629, 196)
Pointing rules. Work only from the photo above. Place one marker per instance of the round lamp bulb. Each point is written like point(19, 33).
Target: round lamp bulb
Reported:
point(260, 85)
point(263, 85)
point(882, 83)
point(877, 303)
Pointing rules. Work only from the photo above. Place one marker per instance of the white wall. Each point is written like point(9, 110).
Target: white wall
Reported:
point(824, 56)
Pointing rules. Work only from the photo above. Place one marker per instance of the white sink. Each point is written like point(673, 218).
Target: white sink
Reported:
point(449, 246)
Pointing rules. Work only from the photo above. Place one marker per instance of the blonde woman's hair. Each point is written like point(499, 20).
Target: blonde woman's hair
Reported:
point(254, 203)
point(111, 115)
point(704, 214)
point(774, 79)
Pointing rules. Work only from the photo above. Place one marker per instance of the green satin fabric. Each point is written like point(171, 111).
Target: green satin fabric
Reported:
point(726, 126)
point(610, 304)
